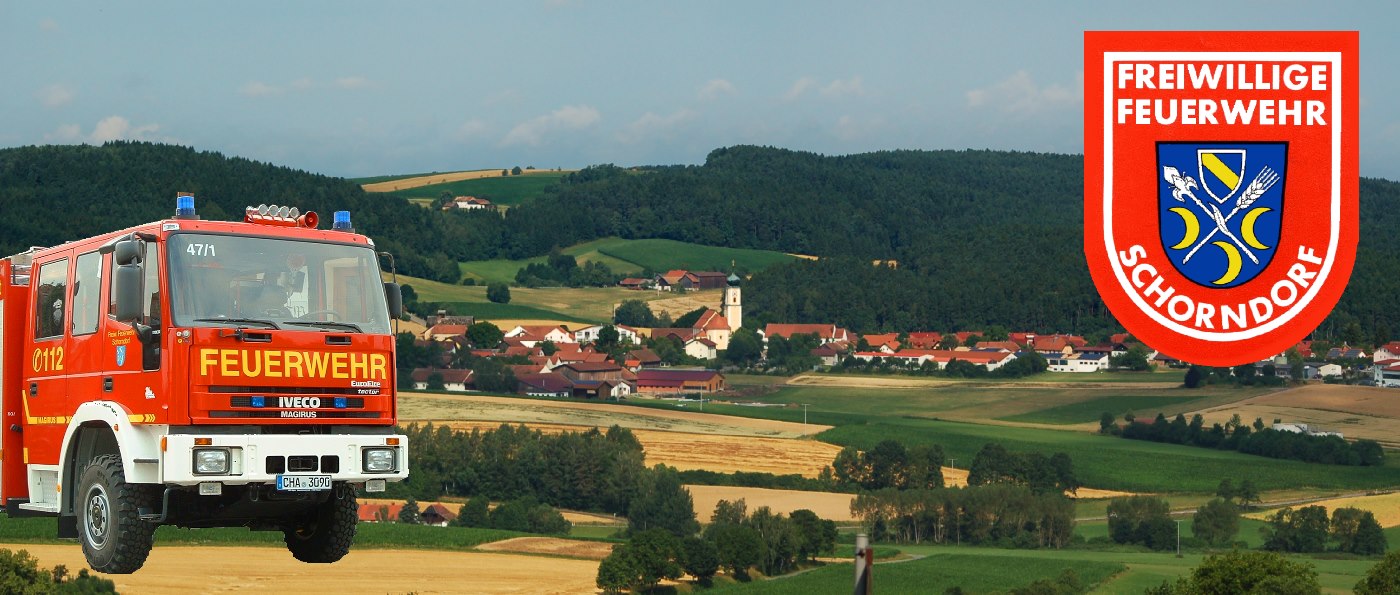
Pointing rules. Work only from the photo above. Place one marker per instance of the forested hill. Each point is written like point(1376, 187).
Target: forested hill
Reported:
point(980, 237)
point(52, 194)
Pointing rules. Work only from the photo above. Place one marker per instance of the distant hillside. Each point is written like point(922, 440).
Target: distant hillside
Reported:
point(632, 257)
point(980, 237)
point(508, 191)
point(53, 194)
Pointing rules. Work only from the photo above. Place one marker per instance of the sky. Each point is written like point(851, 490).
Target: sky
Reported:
point(352, 88)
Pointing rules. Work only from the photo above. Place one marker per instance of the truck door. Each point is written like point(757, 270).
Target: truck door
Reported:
point(46, 402)
point(83, 355)
point(133, 364)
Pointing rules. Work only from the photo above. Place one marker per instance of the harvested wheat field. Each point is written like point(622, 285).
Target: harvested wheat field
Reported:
point(1355, 411)
point(711, 452)
point(1386, 507)
point(181, 570)
point(406, 183)
point(573, 516)
point(422, 407)
point(827, 505)
point(678, 306)
point(552, 546)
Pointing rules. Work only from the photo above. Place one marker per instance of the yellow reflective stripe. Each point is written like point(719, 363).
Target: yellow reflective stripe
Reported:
point(1222, 171)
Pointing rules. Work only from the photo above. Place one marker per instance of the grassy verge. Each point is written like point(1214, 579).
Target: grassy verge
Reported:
point(1090, 411)
point(509, 191)
point(973, 572)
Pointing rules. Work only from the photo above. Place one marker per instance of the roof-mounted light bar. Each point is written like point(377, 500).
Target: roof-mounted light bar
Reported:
point(283, 216)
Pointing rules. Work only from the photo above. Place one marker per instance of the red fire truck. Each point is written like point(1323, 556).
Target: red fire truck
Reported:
point(199, 374)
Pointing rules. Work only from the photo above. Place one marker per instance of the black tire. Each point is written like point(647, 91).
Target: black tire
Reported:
point(326, 533)
point(115, 540)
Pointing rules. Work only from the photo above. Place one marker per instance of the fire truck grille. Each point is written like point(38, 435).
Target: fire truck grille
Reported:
point(350, 403)
point(302, 464)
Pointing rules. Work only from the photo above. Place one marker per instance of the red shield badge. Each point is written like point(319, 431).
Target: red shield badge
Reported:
point(1220, 185)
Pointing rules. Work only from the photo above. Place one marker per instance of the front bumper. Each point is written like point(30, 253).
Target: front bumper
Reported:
point(260, 458)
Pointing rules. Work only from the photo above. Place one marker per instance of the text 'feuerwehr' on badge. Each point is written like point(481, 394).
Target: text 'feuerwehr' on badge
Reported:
point(1220, 185)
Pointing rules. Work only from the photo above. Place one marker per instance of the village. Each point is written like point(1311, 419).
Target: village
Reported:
point(613, 361)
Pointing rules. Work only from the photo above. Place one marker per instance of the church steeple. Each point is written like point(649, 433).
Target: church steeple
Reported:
point(732, 309)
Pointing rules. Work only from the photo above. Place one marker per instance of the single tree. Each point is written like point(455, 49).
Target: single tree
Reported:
point(700, 559)
point(1216, 522)
point(475, 513)
point(409, 513)
point(1251, 572)
point(618, 572)
point(1383, 578)
point(498, 293)
point(654, 552)
point(484, 335)
point(1106, 423)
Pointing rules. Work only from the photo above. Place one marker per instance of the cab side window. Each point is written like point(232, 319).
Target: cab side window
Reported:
point(51, 294)
point(87, 290)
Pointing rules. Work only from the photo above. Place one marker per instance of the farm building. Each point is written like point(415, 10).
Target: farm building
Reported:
point(679, 381)
point(826, 333)
point(1078, 362)
point(452, 379)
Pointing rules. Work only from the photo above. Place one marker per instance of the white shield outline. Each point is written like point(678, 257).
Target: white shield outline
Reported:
point(1201, 171)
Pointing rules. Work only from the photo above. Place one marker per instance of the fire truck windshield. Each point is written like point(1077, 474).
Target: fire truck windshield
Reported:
point(275, 283)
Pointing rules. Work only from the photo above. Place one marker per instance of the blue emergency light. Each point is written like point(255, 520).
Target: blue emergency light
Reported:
point(342, 221)
point(340, 402)
point(184, 207)
point(256, 401)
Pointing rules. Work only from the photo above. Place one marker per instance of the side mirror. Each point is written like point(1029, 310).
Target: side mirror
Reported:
point(126, 290)
point(127, 252)
point(394, 297)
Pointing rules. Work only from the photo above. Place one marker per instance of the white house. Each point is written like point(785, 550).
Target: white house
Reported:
point(1386, 373)
point(701, 348)
point(1080, 362)
point(532, 335)
point(471, 203)
point(452, 379)
point(1304, 429)
point(589, 334)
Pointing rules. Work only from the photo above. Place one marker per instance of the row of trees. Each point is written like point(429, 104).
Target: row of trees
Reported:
point(1268, 572)
point(994, 464)
point(1024, 364)
point(521, 514)
point(890, 465)
point(1307, 529)
point(999, 514)
point(1256, 439)
point(734, 540)
point(561, 269)
point(588, 470)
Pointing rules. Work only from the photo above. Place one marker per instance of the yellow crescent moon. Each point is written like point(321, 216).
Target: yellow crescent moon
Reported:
point(1233, 269)
point(1247, 228)
point(1193, 227)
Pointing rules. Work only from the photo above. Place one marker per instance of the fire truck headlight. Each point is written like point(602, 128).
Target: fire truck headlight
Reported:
point(211, 461)
point(380, 460)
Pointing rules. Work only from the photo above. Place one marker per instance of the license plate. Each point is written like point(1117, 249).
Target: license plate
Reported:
point(303, 483)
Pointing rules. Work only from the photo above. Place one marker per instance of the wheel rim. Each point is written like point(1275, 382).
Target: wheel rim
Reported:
point(97, 518)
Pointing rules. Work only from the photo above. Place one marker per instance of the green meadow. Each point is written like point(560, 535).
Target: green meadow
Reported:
point(632, 257)
point(508, 190)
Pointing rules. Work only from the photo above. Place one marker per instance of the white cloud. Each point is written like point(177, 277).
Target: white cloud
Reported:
point(799, 87)
point(48, 25)
point(1019, 94)
point(471, 129)
point(352, 82)
point(715, 88)
point(840, 88)
point(55, 96)
point(259, 89)
point(302, 84)
point(108, 129)
point(569, 117)
point(651, 125)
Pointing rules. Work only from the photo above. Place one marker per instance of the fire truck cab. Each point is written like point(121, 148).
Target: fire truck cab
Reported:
point(199, 374)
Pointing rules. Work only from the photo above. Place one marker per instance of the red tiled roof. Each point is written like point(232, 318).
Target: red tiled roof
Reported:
point(548, 381)
point(712, 321)
point(944, 355)
point(369, 512)
point(822, 331)
point(684, 334)
point(593, 366)
point(449, 375)
point(1007, 345)
point(705, 342)
point(650, 376)
point(447, 329)
point(646, 356)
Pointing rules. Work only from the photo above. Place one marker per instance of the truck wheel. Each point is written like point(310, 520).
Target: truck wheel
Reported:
point(325, 534)
point(115, 539)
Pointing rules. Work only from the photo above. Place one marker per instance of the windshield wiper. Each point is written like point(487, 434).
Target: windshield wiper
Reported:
point(344, 325)
point(242, 321)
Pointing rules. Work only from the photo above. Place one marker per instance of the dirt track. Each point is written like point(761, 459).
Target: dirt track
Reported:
point(553, 546)
point(182, 570)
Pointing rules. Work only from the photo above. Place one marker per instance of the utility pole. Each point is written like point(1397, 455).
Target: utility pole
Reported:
point(804, 414)
point(952, 462)
point(1178, 538)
